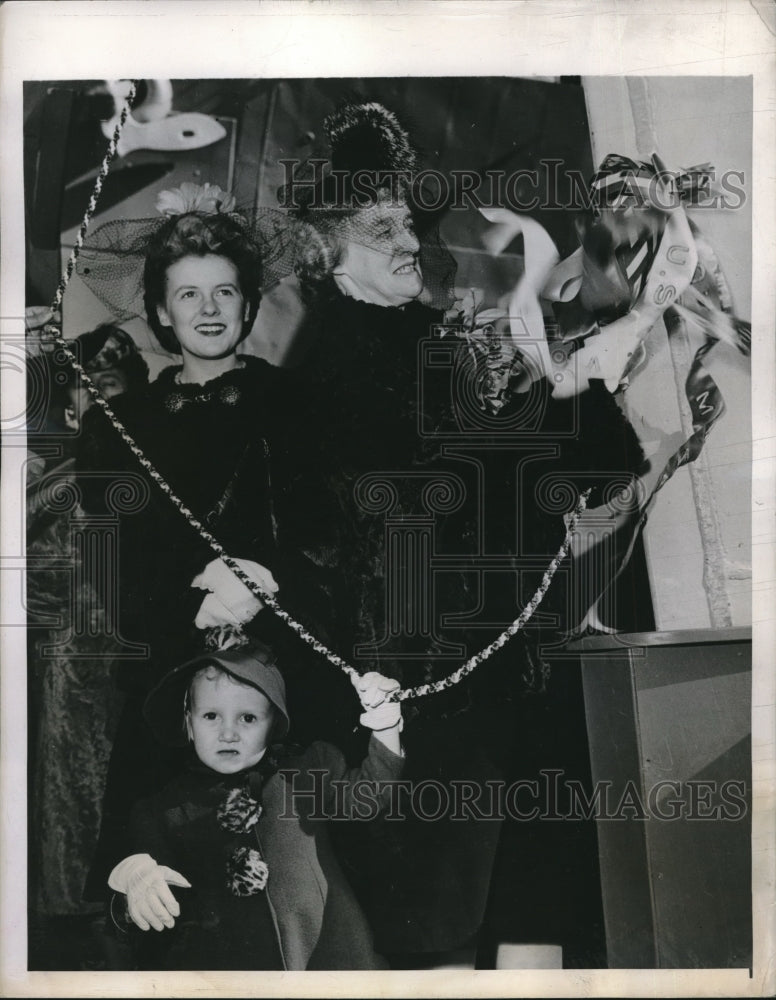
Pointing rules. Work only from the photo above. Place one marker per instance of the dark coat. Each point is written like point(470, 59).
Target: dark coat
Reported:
point(215, 445)
point(212, 445)
point(307, 916)
point(379, 414)
point(373, 408)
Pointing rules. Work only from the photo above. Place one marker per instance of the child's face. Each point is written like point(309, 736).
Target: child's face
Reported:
point(229, 722)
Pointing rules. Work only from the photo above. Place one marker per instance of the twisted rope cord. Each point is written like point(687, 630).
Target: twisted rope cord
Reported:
point(92, 206)
point(401, 695)
point(434, 687)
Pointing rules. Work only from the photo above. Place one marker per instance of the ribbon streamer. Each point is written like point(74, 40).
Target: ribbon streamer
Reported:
point(640, 258)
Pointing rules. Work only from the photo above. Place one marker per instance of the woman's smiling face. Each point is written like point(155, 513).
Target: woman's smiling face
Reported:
point(205, 306)
point(379, 261)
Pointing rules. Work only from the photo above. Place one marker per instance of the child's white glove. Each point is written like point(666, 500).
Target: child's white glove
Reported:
point(144, 882)
point(229, 601)
point(379, 714)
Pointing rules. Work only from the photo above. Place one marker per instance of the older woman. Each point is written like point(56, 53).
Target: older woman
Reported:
point(379, 426)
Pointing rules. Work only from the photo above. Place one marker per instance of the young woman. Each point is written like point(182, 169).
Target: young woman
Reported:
point(206, 425)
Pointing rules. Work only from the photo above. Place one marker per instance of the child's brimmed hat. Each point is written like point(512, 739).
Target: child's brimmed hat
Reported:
point(252, 663)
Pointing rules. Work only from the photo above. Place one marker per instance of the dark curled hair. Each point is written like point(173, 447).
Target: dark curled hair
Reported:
point(136, 370)
point(198, 234)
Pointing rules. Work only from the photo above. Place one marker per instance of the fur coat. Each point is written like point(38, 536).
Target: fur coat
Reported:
point(381, 420)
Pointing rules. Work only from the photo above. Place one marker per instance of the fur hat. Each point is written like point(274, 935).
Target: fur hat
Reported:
point(369, 137)
point(368, 149)
point(252, 663)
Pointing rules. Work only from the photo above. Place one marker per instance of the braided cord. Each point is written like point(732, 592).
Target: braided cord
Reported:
point(434, 687)
point(92, 206)
point(270, 601)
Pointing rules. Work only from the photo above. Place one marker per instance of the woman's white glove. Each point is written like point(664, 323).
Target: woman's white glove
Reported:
point(144, 883)
point(379, 714)
point(230, 602)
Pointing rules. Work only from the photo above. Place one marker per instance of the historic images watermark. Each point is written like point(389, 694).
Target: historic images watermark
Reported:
point(549, 796)
point(471, 467)
point(552, 186)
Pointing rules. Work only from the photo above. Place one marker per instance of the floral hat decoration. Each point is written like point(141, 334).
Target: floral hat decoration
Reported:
point(112, 259)
point(206, 198)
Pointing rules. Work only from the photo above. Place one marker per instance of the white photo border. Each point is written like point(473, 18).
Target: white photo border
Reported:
point(93, 40)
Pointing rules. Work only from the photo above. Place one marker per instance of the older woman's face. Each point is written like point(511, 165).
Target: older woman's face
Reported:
point(205, 306)
point(379, 261)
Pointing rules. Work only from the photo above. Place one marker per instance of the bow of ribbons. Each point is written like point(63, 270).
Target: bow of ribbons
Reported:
point(639, 258)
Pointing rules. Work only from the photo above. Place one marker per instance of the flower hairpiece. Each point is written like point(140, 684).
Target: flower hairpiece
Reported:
point(190, 197)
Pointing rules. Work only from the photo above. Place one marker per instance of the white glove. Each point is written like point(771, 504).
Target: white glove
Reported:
point(144, 882)
point(230, 602)
point(213, 612)
point(379, 714)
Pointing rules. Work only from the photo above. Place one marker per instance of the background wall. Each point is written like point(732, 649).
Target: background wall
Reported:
point(511, 124)
point(677, 705)
point(689, 121)
point(507, 124)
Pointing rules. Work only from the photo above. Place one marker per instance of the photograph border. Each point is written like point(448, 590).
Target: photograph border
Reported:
point(282, 38)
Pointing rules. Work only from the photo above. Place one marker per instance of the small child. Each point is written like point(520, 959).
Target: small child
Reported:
point(247, 844)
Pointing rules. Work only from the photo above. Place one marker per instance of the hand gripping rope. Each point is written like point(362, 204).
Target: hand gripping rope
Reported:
point(400, 695)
